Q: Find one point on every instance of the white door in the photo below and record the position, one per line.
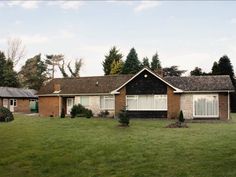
(12, 104)
(5, 103)
(69, 104)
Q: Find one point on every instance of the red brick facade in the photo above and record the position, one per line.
(173, 102)
(120, 100)
(223, 106)
(49, 106)
(22, 105)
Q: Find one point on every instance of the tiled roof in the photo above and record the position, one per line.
(10, 92)
(106, 84)
(83, 85)
(202, 83)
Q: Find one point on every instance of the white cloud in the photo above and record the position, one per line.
(24, 4)
(66, 5)
(2, 4)
(33, 39)
(145, 5)
(65, 34)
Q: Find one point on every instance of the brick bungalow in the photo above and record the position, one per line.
(18, 99)
(145, 95)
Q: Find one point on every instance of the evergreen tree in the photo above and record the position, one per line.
(155, 64)
(173, 71)
(53, 60)
(33, 73)
(215, 69)
(2, 64)
(196, 72)
(132, 64)
(145, 62)
(9, 75)
(116, 67)
(225, 67)
(113, 55)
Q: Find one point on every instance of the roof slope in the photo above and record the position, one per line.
(106, 84)
(83, 85)
(10, 92)
(202, 83)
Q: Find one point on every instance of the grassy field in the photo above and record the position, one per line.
(32, 147)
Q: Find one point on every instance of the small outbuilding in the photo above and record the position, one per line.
(19, 99)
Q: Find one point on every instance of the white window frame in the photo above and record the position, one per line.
(81, 97)
(154, 103)
(14, 102)
(206, 116)
(107, 97)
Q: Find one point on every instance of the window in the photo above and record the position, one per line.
(84, 100)
(146, 102)
(13, 102)
(107, 102)
(205, 106)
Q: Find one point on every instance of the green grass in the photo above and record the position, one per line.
(32, 147)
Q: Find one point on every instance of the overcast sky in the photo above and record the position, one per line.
(186, 34)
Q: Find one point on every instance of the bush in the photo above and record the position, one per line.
(181, 117)
(104, 113)
(5, 115)
(123, 118)
(80, 111)
(63, 113)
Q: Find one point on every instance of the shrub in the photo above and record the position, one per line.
(181, 117)
(63, 113)
(123, 118)
(88, 113)
(80, 111)
(104, 113)
(5, 115)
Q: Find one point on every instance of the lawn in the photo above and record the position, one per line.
(53, 147)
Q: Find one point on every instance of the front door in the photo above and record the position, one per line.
(69, 104)
(5, 103)
(12, 104)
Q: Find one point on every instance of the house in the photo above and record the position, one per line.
(145, 95)
(18, 99)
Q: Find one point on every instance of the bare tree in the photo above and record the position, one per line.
(15, 50)
(54, 60)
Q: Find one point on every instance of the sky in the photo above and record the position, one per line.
(185, 33)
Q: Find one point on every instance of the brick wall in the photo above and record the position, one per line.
(1, 102)
(173, 101)
(223, 104)
(22, 105)
(49, 106)
(120, 101)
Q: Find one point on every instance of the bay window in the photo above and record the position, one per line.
(205, 106)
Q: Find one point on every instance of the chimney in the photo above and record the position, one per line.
(159, 72)
(57, 87)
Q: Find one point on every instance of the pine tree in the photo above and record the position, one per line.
(132, 64)
(78, 65)
(116, 67)
(9, 75)
(155, 64)
(113, 55)
(215, 69)
(145, 62)
(2, 64)
(33, 73)
(225, 67)
(196, 72)
(53, 60)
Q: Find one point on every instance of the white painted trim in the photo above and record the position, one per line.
(116, 90)
(207, 116)
(213, 91)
